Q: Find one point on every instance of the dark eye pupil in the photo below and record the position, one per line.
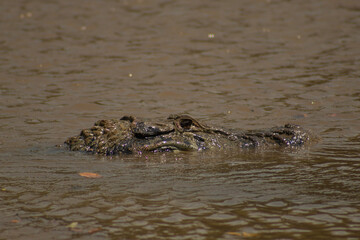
(186, 123)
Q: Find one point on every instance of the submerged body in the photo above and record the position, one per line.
(178, 132)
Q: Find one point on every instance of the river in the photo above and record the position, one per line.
(242, 64)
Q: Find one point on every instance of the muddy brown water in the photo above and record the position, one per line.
(240, 64)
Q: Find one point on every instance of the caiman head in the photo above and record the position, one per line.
(129, 135)
(177, 133)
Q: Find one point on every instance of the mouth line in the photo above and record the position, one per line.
(168, 146)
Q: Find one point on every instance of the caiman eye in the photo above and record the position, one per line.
(186, 123)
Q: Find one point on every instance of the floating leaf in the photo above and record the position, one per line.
(242, 234)
(94, 230)
(90, 175)
(245, 234)
(235, 233)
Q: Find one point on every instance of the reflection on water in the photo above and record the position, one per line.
(238, 64)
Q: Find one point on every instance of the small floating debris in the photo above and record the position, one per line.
(26, 15)
(90, 175)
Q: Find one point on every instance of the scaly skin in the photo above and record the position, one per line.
(178, 132)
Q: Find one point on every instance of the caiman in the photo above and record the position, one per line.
(178, 133)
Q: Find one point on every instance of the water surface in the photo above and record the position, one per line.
(238, 64)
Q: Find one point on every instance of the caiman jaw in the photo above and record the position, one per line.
(168, 146)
